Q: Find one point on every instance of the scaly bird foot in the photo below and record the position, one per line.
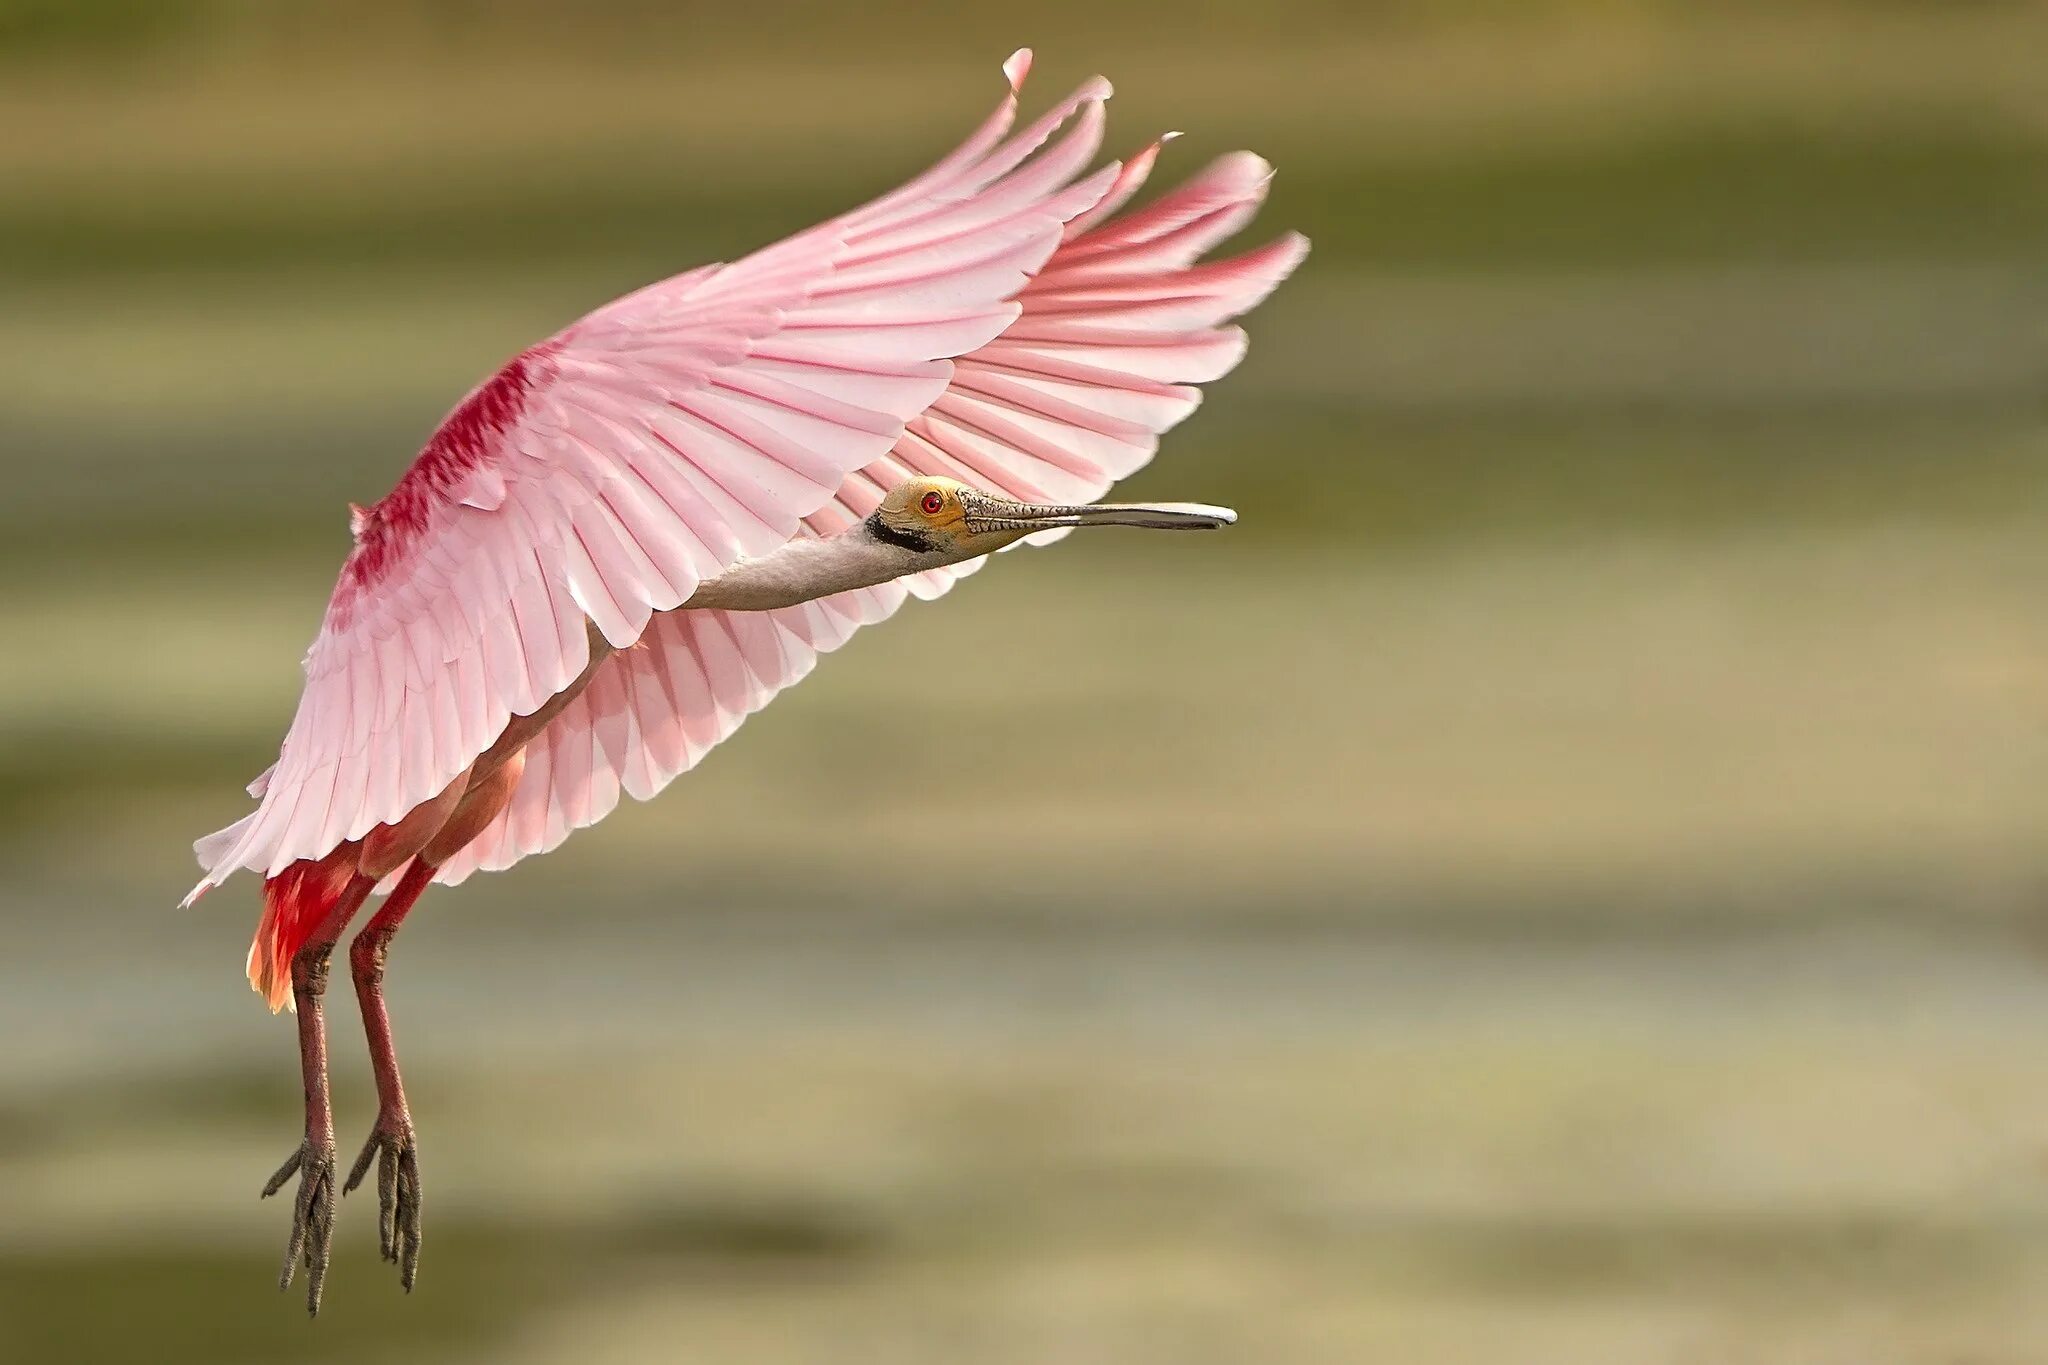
(398, 1193)
(312, 1217)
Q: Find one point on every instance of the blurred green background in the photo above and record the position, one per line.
(1562, 881)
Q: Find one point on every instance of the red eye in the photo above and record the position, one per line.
(931, 503)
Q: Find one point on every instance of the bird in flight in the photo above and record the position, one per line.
(637, 532)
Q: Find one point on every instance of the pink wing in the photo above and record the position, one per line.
(1067, 400)
(607, 471)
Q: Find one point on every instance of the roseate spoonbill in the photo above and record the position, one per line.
(638, 531)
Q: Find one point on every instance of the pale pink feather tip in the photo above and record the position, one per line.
(1016, 67)
(1130, 178)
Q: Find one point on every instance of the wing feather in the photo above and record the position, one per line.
(738, 397)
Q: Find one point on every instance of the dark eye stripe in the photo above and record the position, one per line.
(903, 539)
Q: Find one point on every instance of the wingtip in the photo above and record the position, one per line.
(1249, 167)
(1016, 67)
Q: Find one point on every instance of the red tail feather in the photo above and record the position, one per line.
(295, 901)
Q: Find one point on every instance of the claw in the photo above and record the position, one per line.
(398, 1195)
(312, 1219)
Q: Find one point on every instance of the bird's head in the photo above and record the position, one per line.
(939, 516)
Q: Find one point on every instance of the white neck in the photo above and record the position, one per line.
(801, 571)
(806, 569)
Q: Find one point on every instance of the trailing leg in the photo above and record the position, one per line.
(392, 1143)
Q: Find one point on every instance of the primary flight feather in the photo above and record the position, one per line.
(638, 531)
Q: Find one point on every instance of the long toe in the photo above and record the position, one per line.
(408, 1216)
(312, 1218)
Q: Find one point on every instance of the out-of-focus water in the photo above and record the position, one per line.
(1560, 881)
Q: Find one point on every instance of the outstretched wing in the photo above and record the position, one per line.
(607, 471)
(1067, 400)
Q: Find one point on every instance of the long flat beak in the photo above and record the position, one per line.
(985, 513)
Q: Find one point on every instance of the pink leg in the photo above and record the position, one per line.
(391, 1139)
(313, 1210)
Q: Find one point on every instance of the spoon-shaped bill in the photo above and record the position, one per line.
(1000, 514)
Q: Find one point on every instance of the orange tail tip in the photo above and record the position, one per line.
(294, 903)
